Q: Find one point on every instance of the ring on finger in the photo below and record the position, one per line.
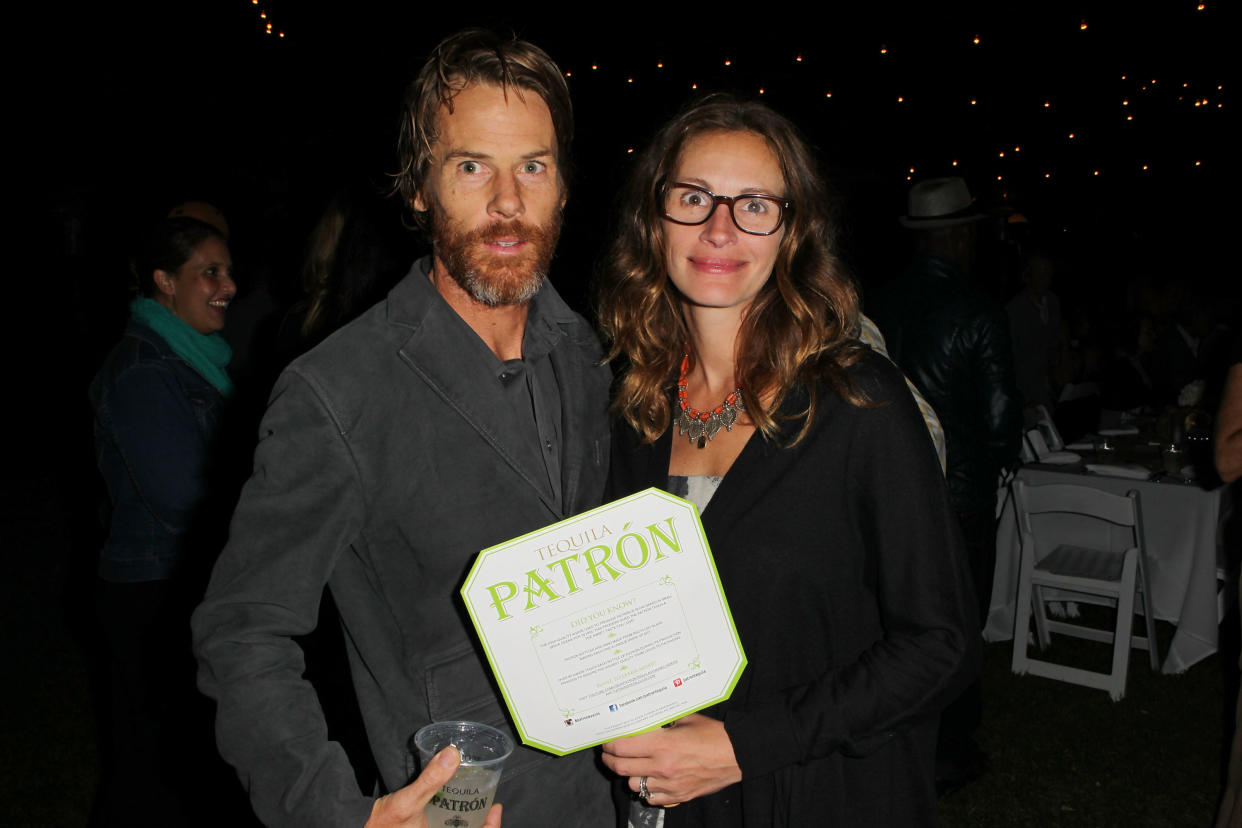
(642, 788)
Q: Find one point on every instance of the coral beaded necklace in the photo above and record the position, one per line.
(702, 426)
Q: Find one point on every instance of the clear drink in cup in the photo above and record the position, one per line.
(464, 800)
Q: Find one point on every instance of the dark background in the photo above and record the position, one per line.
(121, 110)
(140, 106)
(130, 108)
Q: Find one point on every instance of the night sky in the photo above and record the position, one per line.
(140, 106)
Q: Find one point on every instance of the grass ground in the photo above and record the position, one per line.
(1068, 755)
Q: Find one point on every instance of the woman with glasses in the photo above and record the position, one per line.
(744, 389)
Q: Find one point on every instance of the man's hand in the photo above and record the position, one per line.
(404, 808)
(692, 758)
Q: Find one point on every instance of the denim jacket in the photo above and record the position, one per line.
(155, 418)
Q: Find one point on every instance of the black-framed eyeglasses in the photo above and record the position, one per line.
(754, 213)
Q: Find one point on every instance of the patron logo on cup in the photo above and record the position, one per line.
(464, 799)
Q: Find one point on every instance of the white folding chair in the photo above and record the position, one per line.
(1036, 444)
(1027, 453)
(1109, 573)
(1048, 428)
(1035, 449)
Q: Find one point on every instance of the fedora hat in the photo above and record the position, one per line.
(939, 202)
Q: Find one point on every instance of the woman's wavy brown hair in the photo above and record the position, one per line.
(799, 329)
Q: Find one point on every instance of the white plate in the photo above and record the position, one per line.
(1130, 470)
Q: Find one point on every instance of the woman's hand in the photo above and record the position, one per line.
(404, 808)
(689, 759)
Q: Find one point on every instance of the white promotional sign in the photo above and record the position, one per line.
(607, 624)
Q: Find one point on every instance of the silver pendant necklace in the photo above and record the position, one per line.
(702, 426)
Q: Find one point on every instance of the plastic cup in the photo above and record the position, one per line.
(464, 800)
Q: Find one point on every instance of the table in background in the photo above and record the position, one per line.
(1180, 526)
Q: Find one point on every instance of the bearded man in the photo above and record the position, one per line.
(466, 409)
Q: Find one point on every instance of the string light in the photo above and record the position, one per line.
(267, 27)
(1198, 101)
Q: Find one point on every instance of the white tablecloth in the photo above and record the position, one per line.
(1180, 525)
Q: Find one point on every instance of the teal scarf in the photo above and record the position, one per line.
(208, 355)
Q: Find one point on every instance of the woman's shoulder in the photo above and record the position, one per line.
(138, 348)
(879, 389)
(141, 364)
(875, 374)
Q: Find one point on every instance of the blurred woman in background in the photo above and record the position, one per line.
(157, 401)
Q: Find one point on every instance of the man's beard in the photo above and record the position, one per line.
(491, 279)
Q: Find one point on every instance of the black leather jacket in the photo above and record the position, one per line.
(954, 345)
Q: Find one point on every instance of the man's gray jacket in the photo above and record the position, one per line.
(384, 464)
